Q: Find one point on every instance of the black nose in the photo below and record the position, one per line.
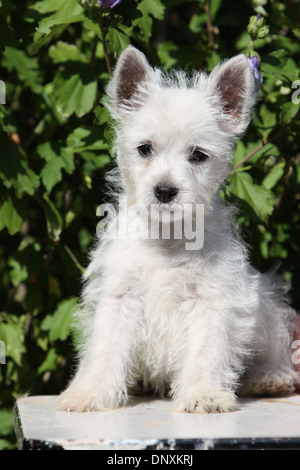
(165, 193)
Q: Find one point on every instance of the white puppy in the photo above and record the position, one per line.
(200, 324)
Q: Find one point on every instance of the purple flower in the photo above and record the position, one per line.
(254, 66)
(109, 3)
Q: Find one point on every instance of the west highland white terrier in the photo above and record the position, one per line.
(196, 322)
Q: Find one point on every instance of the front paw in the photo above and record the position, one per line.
(79, 399)
(219, 401)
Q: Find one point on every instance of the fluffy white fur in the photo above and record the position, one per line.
(202, 326)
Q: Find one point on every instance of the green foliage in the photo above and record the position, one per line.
(55, 147)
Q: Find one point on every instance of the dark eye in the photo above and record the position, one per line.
(197, 156)
(145, 150)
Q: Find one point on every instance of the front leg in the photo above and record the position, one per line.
(101, 379)
(208, 375)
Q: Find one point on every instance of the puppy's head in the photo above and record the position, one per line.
(176, 134)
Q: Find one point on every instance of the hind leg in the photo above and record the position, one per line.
(272, 370)
(269, 380)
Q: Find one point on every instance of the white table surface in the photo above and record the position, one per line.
(148, 423)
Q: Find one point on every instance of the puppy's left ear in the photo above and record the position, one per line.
(232, 85)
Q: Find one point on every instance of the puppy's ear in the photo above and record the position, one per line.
(131, 78)
(233, 86)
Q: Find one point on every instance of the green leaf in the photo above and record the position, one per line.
(100, 160)
(215, 6)
(274, 175)
(277, 57)
(86, 138)
(59, 323)
(259, 198)
(245, 148)
(288, 111)
(11, 333)
(101, 115)
(46, 25)
(51, 174)
(242, 149)
(6, 421)
(14, 170)
(18, 273)
(29, 182)
(50, 363)
(54, 16)
(55, 9)
(277, 64)
(165, 51)
(67, 156)
(149, 9)
(26, 260)
(62, 52)
(55, 31)
(265, 121)
(90, 25)
(55, 153)
(118, 41)
(264, 244)
(26, 68)
(10, 218)
(53, 219)
(75, 91)
(197, 22)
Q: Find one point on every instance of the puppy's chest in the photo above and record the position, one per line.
(168, 294)
(168, 290)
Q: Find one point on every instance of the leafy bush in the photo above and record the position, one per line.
(55, 143)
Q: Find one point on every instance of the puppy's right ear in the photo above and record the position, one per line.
(233, 84)
(131, 80)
